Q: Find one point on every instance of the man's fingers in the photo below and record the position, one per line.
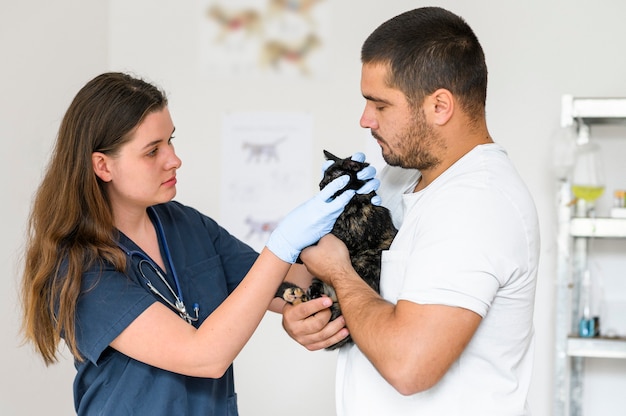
(307, 309)
(332, 333)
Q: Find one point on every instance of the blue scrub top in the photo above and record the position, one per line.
(210, 263)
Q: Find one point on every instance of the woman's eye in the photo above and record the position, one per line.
(153, 152)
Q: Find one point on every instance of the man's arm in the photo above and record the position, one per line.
(411, 345)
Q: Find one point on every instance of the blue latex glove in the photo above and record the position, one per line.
(309, 222)
(365, 174)
(369, 186)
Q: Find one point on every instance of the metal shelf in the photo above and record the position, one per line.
(596, 347)
(592, 110)
(598, 227)
(573, 236)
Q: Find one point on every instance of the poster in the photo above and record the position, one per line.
(263, 38)
(266, 170)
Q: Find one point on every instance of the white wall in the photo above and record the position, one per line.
(536, 51)
(48, 50)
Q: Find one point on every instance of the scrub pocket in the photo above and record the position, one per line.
(392, 271)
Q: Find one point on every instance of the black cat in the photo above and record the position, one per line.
(365, 228)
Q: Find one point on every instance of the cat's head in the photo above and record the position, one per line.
(342, 167)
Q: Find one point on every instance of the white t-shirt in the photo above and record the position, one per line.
(470, 239)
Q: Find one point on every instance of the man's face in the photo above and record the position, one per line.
(402, 131)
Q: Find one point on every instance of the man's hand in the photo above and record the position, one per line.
(308, 324)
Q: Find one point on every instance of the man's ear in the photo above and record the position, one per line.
(100, 165)
(441, 104)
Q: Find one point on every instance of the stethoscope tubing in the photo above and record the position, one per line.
(178, 305)
(152, 287)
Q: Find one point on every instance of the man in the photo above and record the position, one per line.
(452, 331)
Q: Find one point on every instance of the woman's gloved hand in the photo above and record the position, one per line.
(315, 218)
(309, 222)
(368, 174)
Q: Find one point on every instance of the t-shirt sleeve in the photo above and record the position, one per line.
(109, 302)
(462, 260)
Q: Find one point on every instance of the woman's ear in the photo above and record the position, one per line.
(442, 103)
(100, 167)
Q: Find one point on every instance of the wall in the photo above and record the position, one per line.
(536, 51)
(48, 50)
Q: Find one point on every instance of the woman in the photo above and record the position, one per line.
(113, 264)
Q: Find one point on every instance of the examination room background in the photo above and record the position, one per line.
(537, 50)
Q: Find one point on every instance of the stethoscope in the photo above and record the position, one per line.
(177, 305)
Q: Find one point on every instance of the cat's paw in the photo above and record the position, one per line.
(292, 294)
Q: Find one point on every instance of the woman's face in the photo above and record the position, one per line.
(143, 173)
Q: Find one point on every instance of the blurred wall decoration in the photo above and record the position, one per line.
(244, 38)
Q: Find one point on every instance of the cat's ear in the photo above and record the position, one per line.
(330, 156)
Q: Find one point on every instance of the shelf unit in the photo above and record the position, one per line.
(572, 239)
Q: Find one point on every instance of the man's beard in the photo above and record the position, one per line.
(414, 146)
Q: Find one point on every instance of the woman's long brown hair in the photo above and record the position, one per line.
(71, 226)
